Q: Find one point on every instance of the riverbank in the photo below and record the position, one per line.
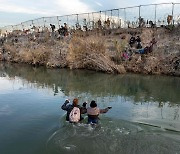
(99, 51)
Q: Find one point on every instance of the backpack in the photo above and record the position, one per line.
(74, 115)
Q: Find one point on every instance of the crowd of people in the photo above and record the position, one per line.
(135, 46)
(75, 111)
(62, 30)
(109, 23)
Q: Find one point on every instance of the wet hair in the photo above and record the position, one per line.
(75, 102)
(93, 104)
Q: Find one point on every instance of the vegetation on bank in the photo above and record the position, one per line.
(96, 51)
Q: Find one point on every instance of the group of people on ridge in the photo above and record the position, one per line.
(135, 46)
(62, 31)
(74, 111)
(137, 43)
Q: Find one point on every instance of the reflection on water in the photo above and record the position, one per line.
(145, 115)
(140, 88)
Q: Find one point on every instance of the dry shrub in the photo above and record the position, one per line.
(26, 56)
(79, 48)
(10, 52)
(120, 48)
(58, 58)
(151, 65)
(79, 33)
(1, 56)
(9, 48)
(37, 56)
(90, 53)
(40, 55)
(58, 55)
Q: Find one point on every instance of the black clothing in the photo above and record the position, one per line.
(132, 41)
(52, 27)
(69, 108)
(138, 39)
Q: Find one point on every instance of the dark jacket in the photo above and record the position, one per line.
(68, 107)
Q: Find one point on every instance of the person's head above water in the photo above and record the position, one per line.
(93, 104)
(75, 102)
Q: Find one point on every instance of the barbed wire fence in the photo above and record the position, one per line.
(129, 17)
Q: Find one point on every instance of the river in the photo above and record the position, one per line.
(144, 119)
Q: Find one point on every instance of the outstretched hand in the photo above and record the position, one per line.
(110, 107)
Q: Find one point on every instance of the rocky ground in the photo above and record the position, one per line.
(98, 50)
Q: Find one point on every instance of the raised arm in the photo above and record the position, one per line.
(65, 106)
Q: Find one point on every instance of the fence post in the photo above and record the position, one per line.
(111, 25)
(22, 26)
(124, 16)
(139, 15)
(111, 14)
(49, 21)
(88, 23)
(33, 23)
(93, 21)
(155, 14)
(173, 13)
(118, 20)
(77, 19)
(44, 21)
(67, 20)
(58, 21)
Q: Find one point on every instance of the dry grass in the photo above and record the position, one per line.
(90, 53)
(36, 55)
(40, 56)
(100, 53)
(79, 53)
(81, 47)
(120, 47)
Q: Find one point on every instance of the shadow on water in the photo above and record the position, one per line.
(111, 136)
(138, 87)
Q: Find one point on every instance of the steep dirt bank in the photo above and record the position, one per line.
(99, 52)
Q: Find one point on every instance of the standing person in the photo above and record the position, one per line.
(65, 29)
(99, 23)
(52, 27)
(132, 41)
(108, 22)
(138, 40)
(93, 112)
(74, 110)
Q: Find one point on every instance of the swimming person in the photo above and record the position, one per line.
(93, 112)
(74, 110)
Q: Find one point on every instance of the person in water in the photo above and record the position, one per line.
(69, 107)
(93, 112)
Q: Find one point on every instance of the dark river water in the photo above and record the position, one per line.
(144, 119)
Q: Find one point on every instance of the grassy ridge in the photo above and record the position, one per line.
(99, 52)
